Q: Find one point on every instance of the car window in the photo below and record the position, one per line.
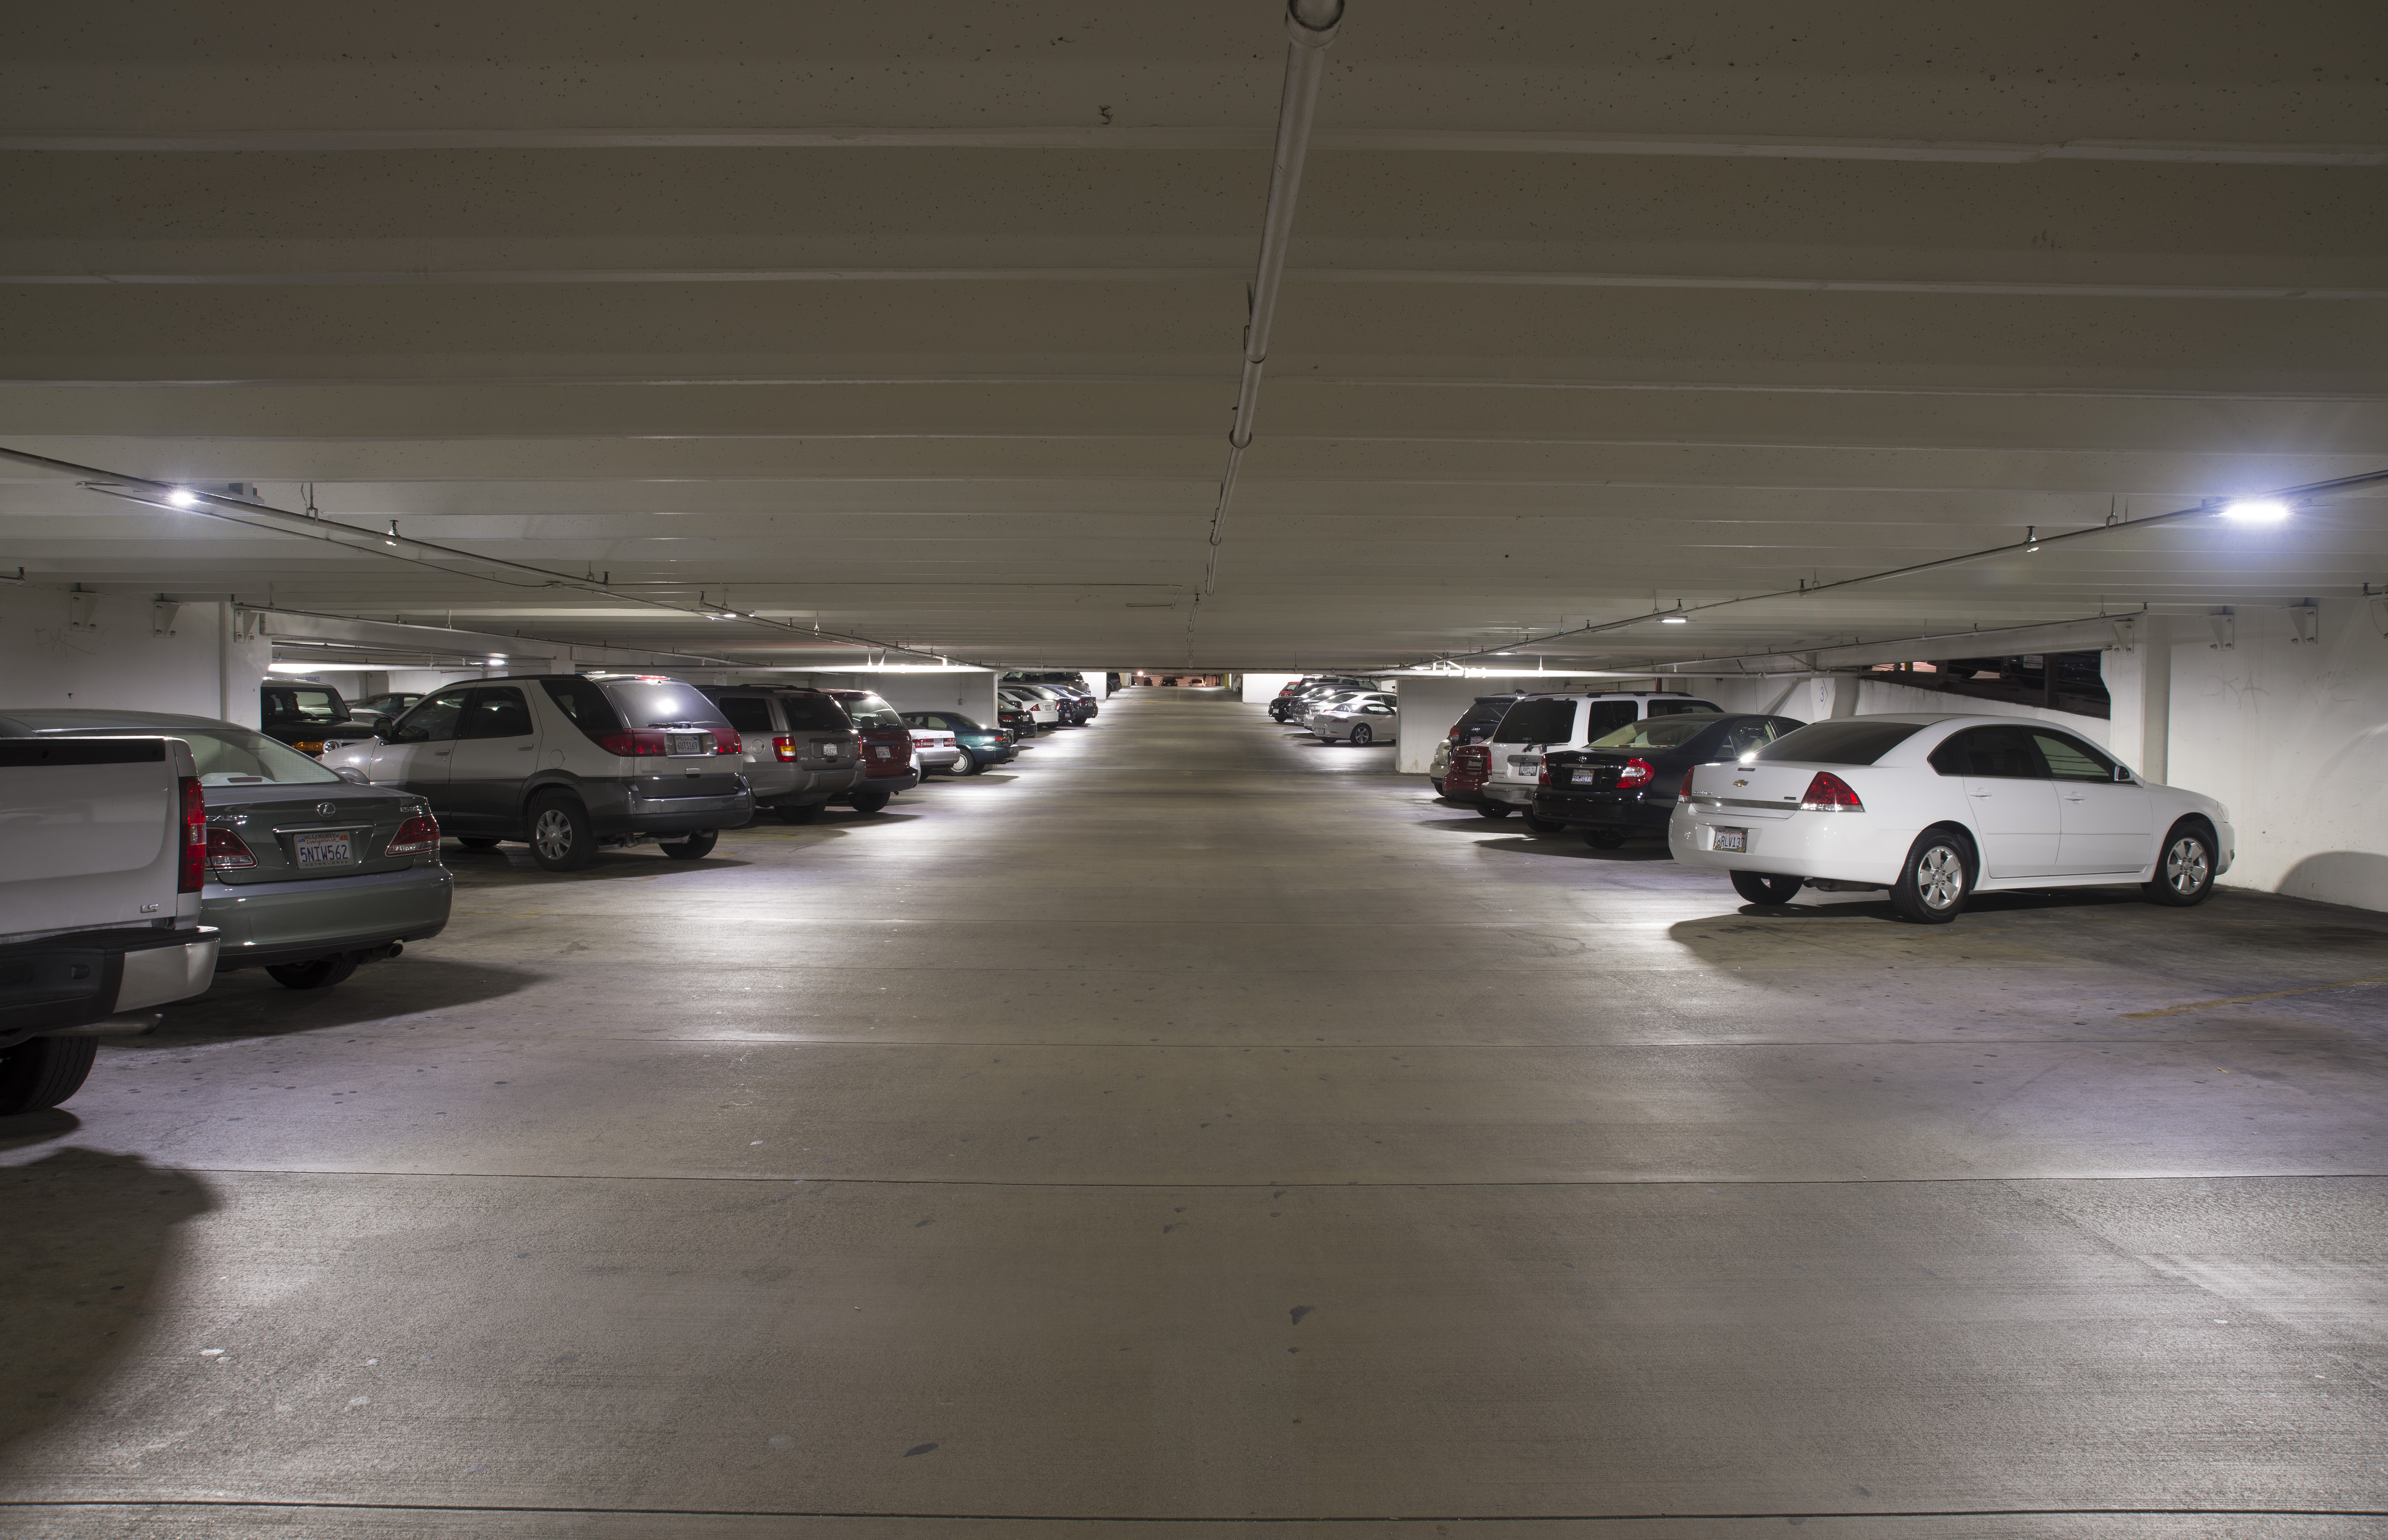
(960, 723)
(1378, 708)
(303, 705)
(1677, 708)
(1537, 722)
(496, 710)
(1656, 732)
(235, 757)
(1839, 742)
(1748, 738)
(869, 711)
(583, 704)
(1609, 716)
(661, 704)
(2002, 753)
(813, 714)
(434, 721)
(748, 713)
(2069, 759)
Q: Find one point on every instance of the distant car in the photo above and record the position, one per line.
(306, 716)
(889, 763)
(1043, 710)
(1626, 782)
(1511, 760)
(1931, 808)
(1069, 711)
(309, 873)
(389, 704)
(801, 750)
(934, 747)
(1361, 720)
(1076, 699)
(976, 745)
(567, 762)
(1311, 705)
(1015, 721)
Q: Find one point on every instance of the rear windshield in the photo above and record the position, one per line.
(1537, 722)
(661, 704)
(869, 711)
(1839, 742)
(1678, 708)
(303, 706)
(582, 703)
(1658, 732)
(747, 712)
(813, 714)
(236, 756)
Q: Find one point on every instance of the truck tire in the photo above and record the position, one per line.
(321, 974)
(561, 839)
(39, 1073)
(1494, 810)
(696, 846)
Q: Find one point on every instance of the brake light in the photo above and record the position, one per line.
(784, 746)
(726, 741)
(417, 836)
(1544, 779)
(636, 743)
(1637, 771)
(194, 872)
(227, 852)
(1829, 793)
(1685, 790)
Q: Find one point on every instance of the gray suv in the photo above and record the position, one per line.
(569, 763)
(802, 750)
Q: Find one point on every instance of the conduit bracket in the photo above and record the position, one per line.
(2306, 619)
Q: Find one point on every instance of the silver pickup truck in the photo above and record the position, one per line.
(103, 850)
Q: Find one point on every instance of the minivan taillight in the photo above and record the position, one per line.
(1637, 771)
(1829, 793)
(784, 747)
(194, 872)
(227, 852)
(635, 743)
(417, 836)
(726, 741)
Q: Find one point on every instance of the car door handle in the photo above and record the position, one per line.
(1980, 793)
(441, 754)
(528, 749)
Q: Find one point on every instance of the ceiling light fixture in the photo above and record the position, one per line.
(1674, 619)
(2257, 511)
(183, 496)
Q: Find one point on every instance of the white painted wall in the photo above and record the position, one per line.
(971, 693)
(1260, 688)
(201, 669)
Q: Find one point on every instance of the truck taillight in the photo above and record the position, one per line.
(726, 741)
(784, 747)
(194, 872)
(417, 836)
(227, 852)
(1829, 793)
(1637, 771)
(636, 743)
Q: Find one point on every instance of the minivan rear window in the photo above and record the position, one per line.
(869, 711)
(661, 704)
(1537, 722)
(1839, 742)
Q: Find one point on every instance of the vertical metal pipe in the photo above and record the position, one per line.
(1310, 25)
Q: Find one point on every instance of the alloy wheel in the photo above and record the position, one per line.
(2185, 866)
(553, 834)
(1941, 877)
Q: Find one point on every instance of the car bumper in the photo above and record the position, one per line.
(127, 969)
(1836, 847)
(1617, 810)
(679, 815)
(940, 758)
(1515, 793)
(903, 780)
(991, 754)
(295, 922)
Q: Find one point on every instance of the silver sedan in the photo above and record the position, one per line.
(1362, 720)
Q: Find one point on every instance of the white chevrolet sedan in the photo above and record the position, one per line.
(1938, 808)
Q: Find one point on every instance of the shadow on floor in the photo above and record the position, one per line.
(91, 1235)
(247, 1003)
(1570, 847)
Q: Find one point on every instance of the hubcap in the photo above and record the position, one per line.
(1939, 877)
(554, 835)
(2185, 866)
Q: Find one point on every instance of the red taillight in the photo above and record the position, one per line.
(417, 836)
(227, 852)
(1458, 730)
(1685, 790)
(1637, 771)
(1544, 779)
(194, 872)
(726, 741)
(784, 746)
(637, 743)
(1829, 793)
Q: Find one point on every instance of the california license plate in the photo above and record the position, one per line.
(325, 850)
(1731, 840)
(689, 743)
(1584, 778)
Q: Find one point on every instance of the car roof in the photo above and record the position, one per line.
(53, 719)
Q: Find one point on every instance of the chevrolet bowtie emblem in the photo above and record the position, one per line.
(1741, 783)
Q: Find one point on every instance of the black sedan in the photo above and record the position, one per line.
(1626, 782)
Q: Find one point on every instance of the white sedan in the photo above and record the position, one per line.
(1938, 808)
(1362, 719)
(1043, 708)
(934, 749)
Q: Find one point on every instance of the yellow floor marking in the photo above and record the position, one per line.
(2251, 999)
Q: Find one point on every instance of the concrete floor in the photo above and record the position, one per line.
(1197, 1123)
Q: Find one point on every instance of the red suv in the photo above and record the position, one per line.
(888, 762)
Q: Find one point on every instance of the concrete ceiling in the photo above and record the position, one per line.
(924, 322)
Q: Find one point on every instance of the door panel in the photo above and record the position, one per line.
(425, 738)
(2103, 824)
(2009, 796)
(497, 745)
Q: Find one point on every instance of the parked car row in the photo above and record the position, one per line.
(1926, 809)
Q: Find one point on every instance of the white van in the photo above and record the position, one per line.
(1535, 724)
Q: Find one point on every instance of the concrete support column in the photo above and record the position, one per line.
(1844, 688)
(2139, 688)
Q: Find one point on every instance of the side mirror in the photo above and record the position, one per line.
(351, 775)
(2122, 776)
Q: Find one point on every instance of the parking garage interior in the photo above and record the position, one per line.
(1193, 1124)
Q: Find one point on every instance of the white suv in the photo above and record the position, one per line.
(1535, 724)
(566, 761)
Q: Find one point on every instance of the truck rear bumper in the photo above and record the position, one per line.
(62, 982)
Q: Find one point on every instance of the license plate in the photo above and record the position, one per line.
(1731, 840)
(1584, 778)
(689, 743)
(324, 849)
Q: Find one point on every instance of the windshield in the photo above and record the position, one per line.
(1537, 722)
(236, 756)
(1658, 732)
(662, 703)
(1839, 742)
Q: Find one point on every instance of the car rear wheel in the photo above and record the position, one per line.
(1936, 880)
(1611, 838)
(39, 1073)
(2185, 876)
(561, 839)
(1436, 784)
(803, 814)
(321, 974)
(968, 765)
(476, 842)
(696, 846)
(1361, 734)
(1760, 887)
(871, 802)
(1543, 826)
(1494, 810)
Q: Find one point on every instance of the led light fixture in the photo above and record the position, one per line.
(1674, 619)
(2255, 511)
(183, 496)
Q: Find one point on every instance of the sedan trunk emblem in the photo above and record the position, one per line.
(327, 809)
